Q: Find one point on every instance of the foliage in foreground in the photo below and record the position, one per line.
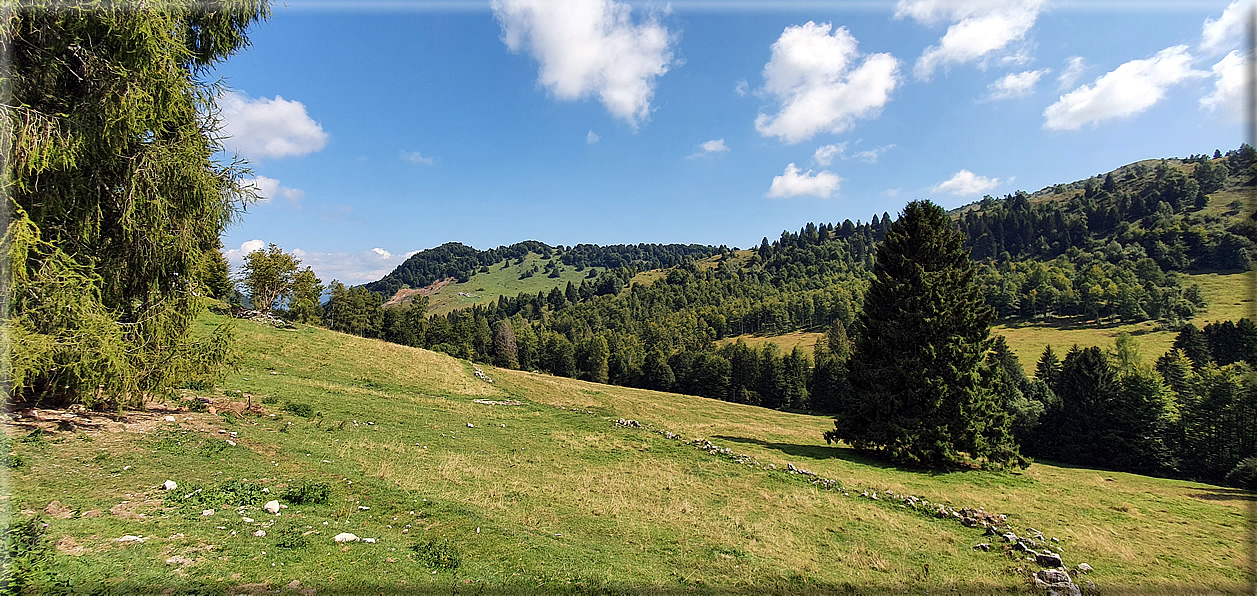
(118, 202)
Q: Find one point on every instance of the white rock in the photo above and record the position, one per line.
(207, 513)
(169, 419)
(470, 425)
(345, 537)
(231, 442)
(260, 533)
(247, 520)
(271, 507)
(369, 540)
(129, 538)
(169, 485)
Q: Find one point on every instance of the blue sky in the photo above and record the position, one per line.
(376, 129)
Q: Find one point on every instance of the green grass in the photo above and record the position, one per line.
(804, 340)
(485, 288)
(551, 496)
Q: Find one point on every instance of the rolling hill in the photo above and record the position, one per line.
(538, 487)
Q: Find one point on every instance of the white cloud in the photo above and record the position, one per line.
(592, 137)
(794, 184)
(978, 29)
(741, 87)
(351, 268)
(235, 256)
(710, 147)
(416, 157)
(966, 183)
(813, 76)
(825, 154)
(270, 188)
(1017, 84)
(1230, 80)
(1225, 32)
(871, 155)
(1074, 67)
(590, 47)
(260, 128)
(892, 192)
(1127, 90)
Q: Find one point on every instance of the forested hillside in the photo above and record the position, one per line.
(1103, 250)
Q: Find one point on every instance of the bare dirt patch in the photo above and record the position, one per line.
(69, 546)
(404, 295)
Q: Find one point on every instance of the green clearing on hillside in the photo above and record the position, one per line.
(549, 495)
(485, 288)
(1228, 297)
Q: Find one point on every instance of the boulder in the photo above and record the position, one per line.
(1010, 537)
(1053, 576)
(345, 537)
(169, 485)
(983, 547)
(130, 538)
(272, 507)
(1047, 559)
(169, 419)
(1084, 568)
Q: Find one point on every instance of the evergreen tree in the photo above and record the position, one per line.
(1194, 345)
(307, 290)
(114, 193)
(656, 372)
(505, 350)
(920, 391)
(1048, 368)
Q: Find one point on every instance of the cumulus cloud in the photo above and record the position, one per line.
(270, 188)
(977, 29)
(966, 183)
(1125, 91)
(1017, 84)
(416, 157)
(261, 128)
(825, 154)
(235, 256)
(1230, 80)
(590, 47)
(710, 147)
(351, 268)
(814, 77)
(592, 137)
(1074, 67)
(793, 183)
(1225, 32)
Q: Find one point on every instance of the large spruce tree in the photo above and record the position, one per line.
(920, 385)
(110, 132)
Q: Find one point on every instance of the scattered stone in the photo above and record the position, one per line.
(1084, 568)
(179, 560)
(982, 547)
(1010, 537)
(470, 425)
(628, 423)
(345, 537)
(247, 520)
(207, 513)
(169, 419)
(231, 442)
(369, 540)
(1053, 576)
(59, 511)
(1048, 559)
(92, 513)
(489, 402)
(260, 533)
(130, 538)
(169, 485)
(271, 507)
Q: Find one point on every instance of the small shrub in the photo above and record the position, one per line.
(199, 385)
(438, 554)
(198, 406)
(213, 447)
(303, 410)
(232, 493)
(8, 458)
(291, 537)
(28, 555)
(308, 492)
(36, 437)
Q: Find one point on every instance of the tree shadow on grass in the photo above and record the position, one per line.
(1218, 493)
(820, 452)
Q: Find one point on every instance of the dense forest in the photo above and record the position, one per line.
(1110, 247)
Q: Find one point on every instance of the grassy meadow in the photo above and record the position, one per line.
(543, 492)
(503, 280)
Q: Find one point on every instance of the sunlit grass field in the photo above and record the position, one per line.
(550, 495)
(503, 280)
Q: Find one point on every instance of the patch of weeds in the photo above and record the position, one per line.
(172, 445)
(728, 552)
(308, 492)
(291, 537)
(270, 400)
(213, 447)
(441, 554)
(301, 409)
(228, 418)
(198, 406)
(86, 438)
(36, 437)
(8, 458)
(233, 493)
(199, 385)
(28, 555)
(342, 512)
(338, 426)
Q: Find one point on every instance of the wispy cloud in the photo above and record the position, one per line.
(1017, 84)
(592, 137)
(709, 147)
(1125, 91)
(416, 157)
(270, 188)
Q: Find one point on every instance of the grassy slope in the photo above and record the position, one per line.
(563, 500)
(487, 287)
(1228, 297)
